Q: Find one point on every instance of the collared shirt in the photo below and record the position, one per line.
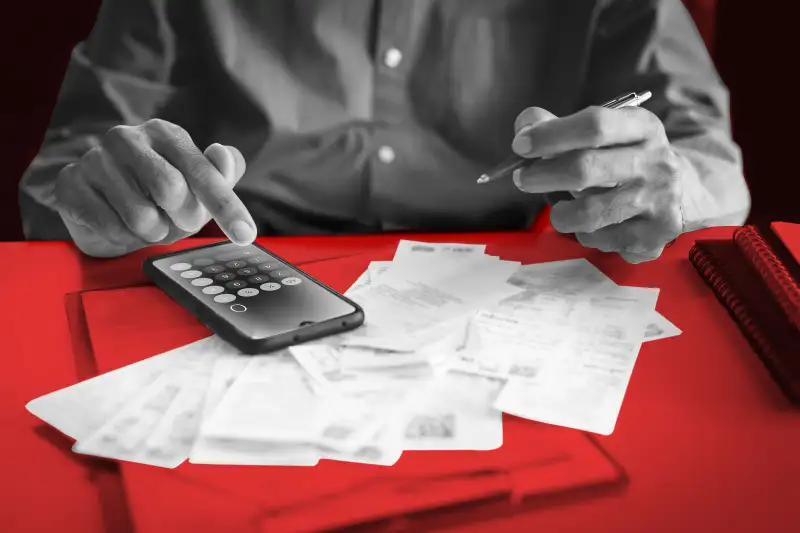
(377, 115)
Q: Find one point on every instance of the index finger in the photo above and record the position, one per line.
(593, 127)
(208, 185)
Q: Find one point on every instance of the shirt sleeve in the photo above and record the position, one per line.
(131, 68)
(653, 45)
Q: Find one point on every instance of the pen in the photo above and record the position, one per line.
(516, 162)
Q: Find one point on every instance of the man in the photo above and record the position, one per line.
(379, 115)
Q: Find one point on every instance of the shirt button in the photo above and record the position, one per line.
(386, 154)
(392, 57)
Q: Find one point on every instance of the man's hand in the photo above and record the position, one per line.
(624, 179)
(150, 184)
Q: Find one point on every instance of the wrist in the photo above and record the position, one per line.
(701, 207)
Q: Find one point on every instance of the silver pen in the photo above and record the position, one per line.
(516, 162)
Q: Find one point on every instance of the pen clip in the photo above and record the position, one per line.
(620, 100)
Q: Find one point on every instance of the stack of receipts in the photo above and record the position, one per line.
(452, 339)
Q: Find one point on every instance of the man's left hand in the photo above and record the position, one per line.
(624, 178)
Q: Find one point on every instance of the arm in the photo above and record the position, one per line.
(128, 71)
(654, 45)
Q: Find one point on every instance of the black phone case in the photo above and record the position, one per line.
(228, 331)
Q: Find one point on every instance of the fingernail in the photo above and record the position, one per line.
(517, 178)
(521, 145)
(242, 232)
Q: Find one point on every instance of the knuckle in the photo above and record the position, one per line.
(642, 199)
(582, 165)
(92, 156)
(118, 136)
(121, 131)
(594, 208)
(640, 165)
(157, 124)
(162, 129)
(655, 125)
(79, 211)
(200, 170)
(659, 130)
(668, 169)
(668, 163)
(222, 203)
(597, 124)
(141, 219)
(64, 185)
(166, 189)
(165, 183)
(84, 216)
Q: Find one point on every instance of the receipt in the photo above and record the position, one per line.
(402, 312)
(456, 414)
(583, 387)
(576, 277)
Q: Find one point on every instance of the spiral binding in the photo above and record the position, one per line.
(772, 270)
(714, 276)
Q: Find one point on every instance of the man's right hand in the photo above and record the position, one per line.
(150, 184)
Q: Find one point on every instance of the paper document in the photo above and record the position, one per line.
(453, 338)
(583, 387)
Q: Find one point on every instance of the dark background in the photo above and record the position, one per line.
(754, 45)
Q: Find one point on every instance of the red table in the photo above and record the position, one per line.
(708, 441)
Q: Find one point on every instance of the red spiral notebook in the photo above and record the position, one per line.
(756, 276)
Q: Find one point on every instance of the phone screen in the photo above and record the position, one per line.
(257, 292)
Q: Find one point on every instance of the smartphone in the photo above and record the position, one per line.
(252, 298)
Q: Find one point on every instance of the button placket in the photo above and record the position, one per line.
(399, 24)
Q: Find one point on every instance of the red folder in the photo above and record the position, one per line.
(423, 489)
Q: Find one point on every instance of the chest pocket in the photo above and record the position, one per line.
(484, 62)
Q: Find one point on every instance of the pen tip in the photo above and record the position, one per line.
(483, 179)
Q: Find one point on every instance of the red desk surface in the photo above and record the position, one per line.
(705, 436)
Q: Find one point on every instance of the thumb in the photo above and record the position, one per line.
(228, 160)
(531, 117)
(527, 120)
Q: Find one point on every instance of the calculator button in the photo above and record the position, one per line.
(258, 279)
(225, 276)
(271, 286)
(248, 292)
(201, 282)
(247, 271)
(291, 281)
(213, 289)
(238, 308)
(224, 298)
(236, 264)
(213, 269)
(257, 259)
(191, 274)
(269, 267)
(236, 284)
(204, 262)
(179, 267)
(279, 274)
